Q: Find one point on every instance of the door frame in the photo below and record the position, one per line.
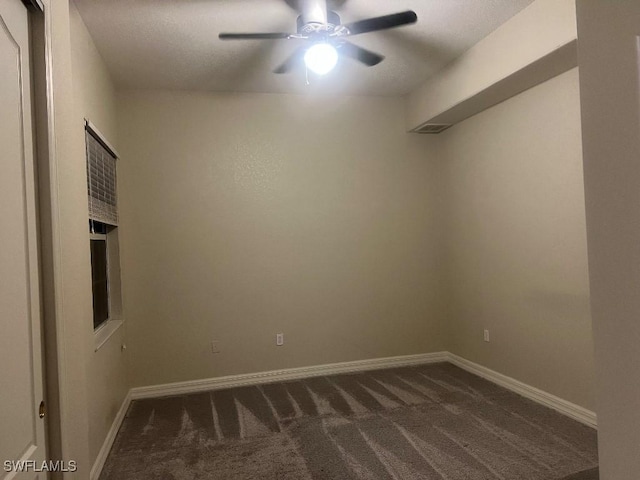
(56, 140)
(41, 88)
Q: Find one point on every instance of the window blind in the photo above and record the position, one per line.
(101, 180)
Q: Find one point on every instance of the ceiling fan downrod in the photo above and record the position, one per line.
(313, 11)
(315, 18)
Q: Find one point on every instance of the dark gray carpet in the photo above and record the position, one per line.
(426, 422)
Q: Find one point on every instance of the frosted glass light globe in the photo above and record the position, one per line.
(321, 58)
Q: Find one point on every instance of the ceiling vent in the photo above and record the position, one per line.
(431, 128)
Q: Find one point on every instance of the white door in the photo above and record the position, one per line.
(21, 429)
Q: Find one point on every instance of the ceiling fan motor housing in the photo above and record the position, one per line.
(308, 24)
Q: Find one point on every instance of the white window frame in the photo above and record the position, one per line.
(112, 323)
(110, 326)
(104, 332)
(103, 237)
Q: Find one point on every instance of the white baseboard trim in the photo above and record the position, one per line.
(179, 388)
(231, 381)
(96, 469)
(284, 375)
(569, 409)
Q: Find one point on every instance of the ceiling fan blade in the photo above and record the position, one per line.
(254, 36)
(382, 23)
(291, 62)
(360, 54)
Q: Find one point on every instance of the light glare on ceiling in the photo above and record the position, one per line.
(321, 58)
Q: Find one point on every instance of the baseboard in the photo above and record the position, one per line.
(563, 406)
(569, 409)
(96, 469)
(284, 375)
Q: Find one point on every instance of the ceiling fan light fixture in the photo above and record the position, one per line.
(321, 58)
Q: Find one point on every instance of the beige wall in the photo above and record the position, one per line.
(535, 32)
(245, 216)
(609, 57)
(248, 215)
(94, 94)
(516, 241)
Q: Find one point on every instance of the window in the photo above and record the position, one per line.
(103, 234)
(99, 276)
(101, 178)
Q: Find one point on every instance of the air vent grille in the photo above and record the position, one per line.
(431, 128)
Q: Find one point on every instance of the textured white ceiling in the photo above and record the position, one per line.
(174, 44)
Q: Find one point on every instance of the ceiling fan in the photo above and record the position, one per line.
(326, 37)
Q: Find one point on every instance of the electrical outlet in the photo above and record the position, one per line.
(279, 339)
(215, 346)
(486, 335)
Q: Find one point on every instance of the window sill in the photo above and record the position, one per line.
(104, 333)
